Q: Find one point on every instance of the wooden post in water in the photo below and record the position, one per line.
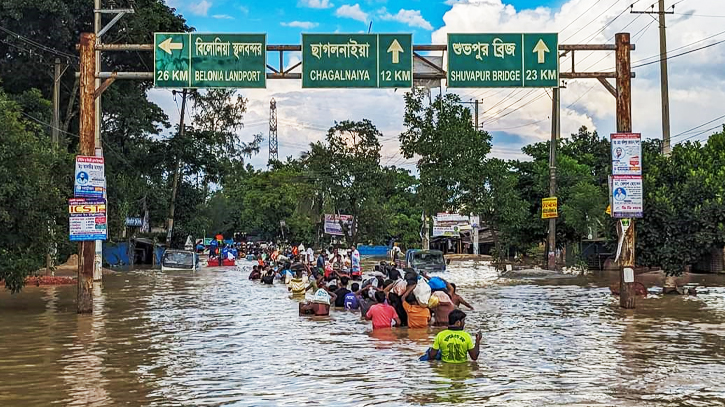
(625, 227)
(87, 250)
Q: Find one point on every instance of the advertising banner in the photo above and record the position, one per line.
(627, 199)
(549, 208)
(90, 179)
(333, 224)
(87, 219)
(626, 154)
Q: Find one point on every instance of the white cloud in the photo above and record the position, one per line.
(223, 17)
(244, 10)
(353, 12)
(315, 3)
(201, 8)
(697, 83)
(305, 25)
(412, 18)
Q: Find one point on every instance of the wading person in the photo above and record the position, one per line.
(455, 344)
(319, 305)
(268, 277)
(382, 314)
(418, 315)
(355, 268)
(457, 299)
(443, 309)
(298, 285)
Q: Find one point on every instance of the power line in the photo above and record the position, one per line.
(700, 15)
(719, 126)
(697, 127)
(39, 121)
(595, 19)
(580, 16)
(679, 55)
(38, 45)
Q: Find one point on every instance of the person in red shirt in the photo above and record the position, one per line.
(382, 314)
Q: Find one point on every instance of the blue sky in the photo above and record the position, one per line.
(515, 117)
(283, 21)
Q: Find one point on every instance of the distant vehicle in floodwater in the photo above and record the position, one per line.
(179, 260)
(430, 261)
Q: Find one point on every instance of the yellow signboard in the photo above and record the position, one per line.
(549, 208)
(609, 210)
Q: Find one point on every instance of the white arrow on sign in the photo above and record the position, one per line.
(396, 49)
(541, 48)
(167, 45)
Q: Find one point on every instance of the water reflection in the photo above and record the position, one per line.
(215, 338)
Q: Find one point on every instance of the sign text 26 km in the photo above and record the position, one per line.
(503, 60)
(357, 60)
(195, 60)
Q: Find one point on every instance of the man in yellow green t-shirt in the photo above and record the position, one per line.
(454, 343)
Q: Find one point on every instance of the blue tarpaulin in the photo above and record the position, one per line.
(373, 251)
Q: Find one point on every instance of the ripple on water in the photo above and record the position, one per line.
(214, 338)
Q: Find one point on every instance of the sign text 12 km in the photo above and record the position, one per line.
(357, 60)
(195, 60)
(503, 60)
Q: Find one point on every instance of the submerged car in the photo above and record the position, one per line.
(430, 261)
(179, 260)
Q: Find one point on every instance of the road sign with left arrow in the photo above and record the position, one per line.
(196, 60)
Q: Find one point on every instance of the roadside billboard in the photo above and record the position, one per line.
(334, 224)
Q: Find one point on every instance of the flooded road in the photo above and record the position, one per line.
(215, 338)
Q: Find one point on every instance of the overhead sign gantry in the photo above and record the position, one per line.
(200, 60)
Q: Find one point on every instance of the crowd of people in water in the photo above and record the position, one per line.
(390, 297)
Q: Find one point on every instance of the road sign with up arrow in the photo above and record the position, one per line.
(503, 60)
(357, 60)
(193, 60)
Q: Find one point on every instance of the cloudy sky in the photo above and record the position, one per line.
(515, 117)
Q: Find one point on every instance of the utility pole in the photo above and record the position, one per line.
(54, 131)
(86, 249)
(664, 83)
(98, 151)
(177, 174)
(625, 227)
(273, 145)
(475, 113)
(56, 103)
(551, 252)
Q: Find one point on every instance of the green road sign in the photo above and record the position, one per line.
(172, 61)
(357, 60)
(395, 60)
(503, 60)
(210, 60)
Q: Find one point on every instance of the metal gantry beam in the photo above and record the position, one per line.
(279, 72)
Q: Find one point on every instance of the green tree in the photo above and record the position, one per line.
(684, 214)
(452, 153)
(35, 180)
(346, 169)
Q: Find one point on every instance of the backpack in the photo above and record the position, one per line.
(351, 301)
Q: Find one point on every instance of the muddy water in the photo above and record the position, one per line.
(215, 338)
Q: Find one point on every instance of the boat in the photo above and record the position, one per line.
(214, 262)
(179, 260)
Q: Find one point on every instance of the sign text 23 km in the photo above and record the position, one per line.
(503, 60)
(357, 60)
(191, 60)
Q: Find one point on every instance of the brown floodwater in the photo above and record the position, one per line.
(214, 338)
